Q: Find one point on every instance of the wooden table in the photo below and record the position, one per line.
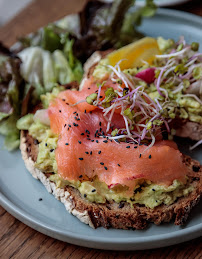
(16, 239)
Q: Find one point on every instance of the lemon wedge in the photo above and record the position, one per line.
(135, 53)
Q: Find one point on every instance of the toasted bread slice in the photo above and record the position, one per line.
(112, 214)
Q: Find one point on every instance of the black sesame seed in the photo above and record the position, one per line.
(153, 190)
(82, 134)
(97, 141)
(101, 96)
(128, 147)
(80, 176)
(121, 205)
(100, 123)
(101, 163)
(135, 146)
(46, 144)
(195, 168)
(92, 140)
(87, 131)
(40, 199)
(99, 152)
(87, 153)
(87, 136)
(63, 100)
(36, 142)
(69, 125)
(81, 158)
(105, 141)
(65, 125)
(105, 168)
(118, 164)
(88, 139)
(66, 144)
(149, 156)
(85, 111)
(74, 112)
(91, 152)
(59, 110)
(79, 141)
(88, 88)
(90, 112)
(52, 150)
(140, 155)
(94, 190)
(85, 195)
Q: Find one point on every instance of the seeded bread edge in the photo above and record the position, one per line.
(114, 215)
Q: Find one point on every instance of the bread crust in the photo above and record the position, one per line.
(112, 214)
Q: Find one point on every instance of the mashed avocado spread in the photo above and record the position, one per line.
(181, 104)
(146, 193)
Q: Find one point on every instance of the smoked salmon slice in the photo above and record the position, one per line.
(84, 150)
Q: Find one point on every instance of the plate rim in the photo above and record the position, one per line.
(165, 3)
(95, 241)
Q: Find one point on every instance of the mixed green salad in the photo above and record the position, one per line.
(54, 55)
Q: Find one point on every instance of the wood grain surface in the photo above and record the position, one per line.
(16, 239)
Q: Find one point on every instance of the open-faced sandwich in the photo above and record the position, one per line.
(104, 146)
(106, 151)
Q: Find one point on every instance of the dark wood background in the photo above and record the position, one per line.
(16, 239)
